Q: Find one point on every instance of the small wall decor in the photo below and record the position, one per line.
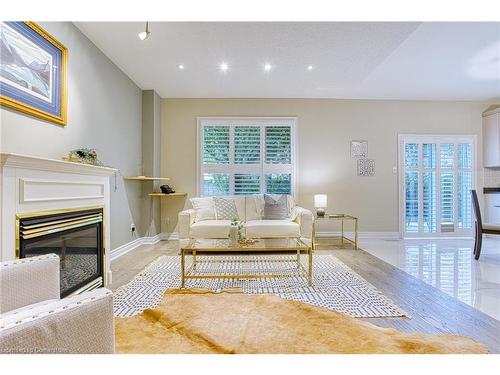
(33, 71)
(359, 149)
(366, 167)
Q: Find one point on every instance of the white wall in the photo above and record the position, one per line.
(325, 129)
(104, 112)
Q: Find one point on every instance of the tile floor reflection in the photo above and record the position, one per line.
(448, 264)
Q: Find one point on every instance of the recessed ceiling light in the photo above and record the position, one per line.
(268, 67)
(224, 67)
(310, 67)
(144, 34)
(180, 66)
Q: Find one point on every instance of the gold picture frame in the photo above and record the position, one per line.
(59, 114)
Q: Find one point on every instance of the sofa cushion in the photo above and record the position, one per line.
(254, 206)
(225, 209)
(204, 208)
(239, 200)
(276, 208)
(210, 229)
(271, 228)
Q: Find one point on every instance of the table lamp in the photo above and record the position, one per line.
(320, 204)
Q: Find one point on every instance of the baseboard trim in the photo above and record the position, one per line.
(129, 246)
(362, 235)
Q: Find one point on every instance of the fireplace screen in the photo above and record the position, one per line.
(75, 236)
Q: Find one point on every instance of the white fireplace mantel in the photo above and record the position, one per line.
(33, 184)
(53, 165)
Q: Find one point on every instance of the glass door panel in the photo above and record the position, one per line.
(438, 177)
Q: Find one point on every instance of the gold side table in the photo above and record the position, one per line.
(342, 219)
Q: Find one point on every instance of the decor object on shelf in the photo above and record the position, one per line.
(320, 203)
(359, 149)
(33, 74)
(366, 167)
(85, 156)
(165, 189)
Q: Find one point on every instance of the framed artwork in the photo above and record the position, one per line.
(366, 167)
(359, 149)
(33, 71)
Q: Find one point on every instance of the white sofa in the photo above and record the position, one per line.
(34, 320)
(250, 210)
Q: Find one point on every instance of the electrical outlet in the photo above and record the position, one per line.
(132, 227)
(395, 170)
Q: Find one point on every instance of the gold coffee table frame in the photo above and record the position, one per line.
(263, 245)
(342, 219)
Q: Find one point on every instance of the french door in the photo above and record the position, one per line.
(435, 183)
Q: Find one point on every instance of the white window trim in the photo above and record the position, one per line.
(435, 138)
(232, 121)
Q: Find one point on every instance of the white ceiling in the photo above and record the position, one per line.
(362, 60)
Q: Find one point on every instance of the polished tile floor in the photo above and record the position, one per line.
(448, 265)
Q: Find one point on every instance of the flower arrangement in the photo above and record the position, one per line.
(242, 240)
(239, 226)
(83, 155)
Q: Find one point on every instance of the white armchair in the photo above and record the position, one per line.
(33, 319)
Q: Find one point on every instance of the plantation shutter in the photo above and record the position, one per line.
(247, 145)
(278, 145)
(438, 178)
(216, 145)
(246, 156)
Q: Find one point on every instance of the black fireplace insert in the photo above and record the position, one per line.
(76, 236)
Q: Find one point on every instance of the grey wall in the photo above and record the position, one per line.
(151, 142)
(104, 112)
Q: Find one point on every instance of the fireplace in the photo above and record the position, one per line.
(75, 235)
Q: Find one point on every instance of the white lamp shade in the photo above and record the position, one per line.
(320, 201)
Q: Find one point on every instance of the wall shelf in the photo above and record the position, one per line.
(144, 178)
(166, 195)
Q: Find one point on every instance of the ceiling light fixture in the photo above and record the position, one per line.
(224, 67)
(310, 67)
(144, 34)
(180, 66)
(268, 67)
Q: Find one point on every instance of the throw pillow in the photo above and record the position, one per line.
(204, 208)
(225, 209)
(276, 208)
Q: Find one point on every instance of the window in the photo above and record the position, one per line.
(246, 156)
(435, 184)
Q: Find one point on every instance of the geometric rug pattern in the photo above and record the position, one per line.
(335, 285)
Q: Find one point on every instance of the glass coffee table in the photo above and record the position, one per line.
(293, 246)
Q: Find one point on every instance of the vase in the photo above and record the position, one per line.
(233, 235)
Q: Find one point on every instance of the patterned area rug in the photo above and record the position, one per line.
(335, 285)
